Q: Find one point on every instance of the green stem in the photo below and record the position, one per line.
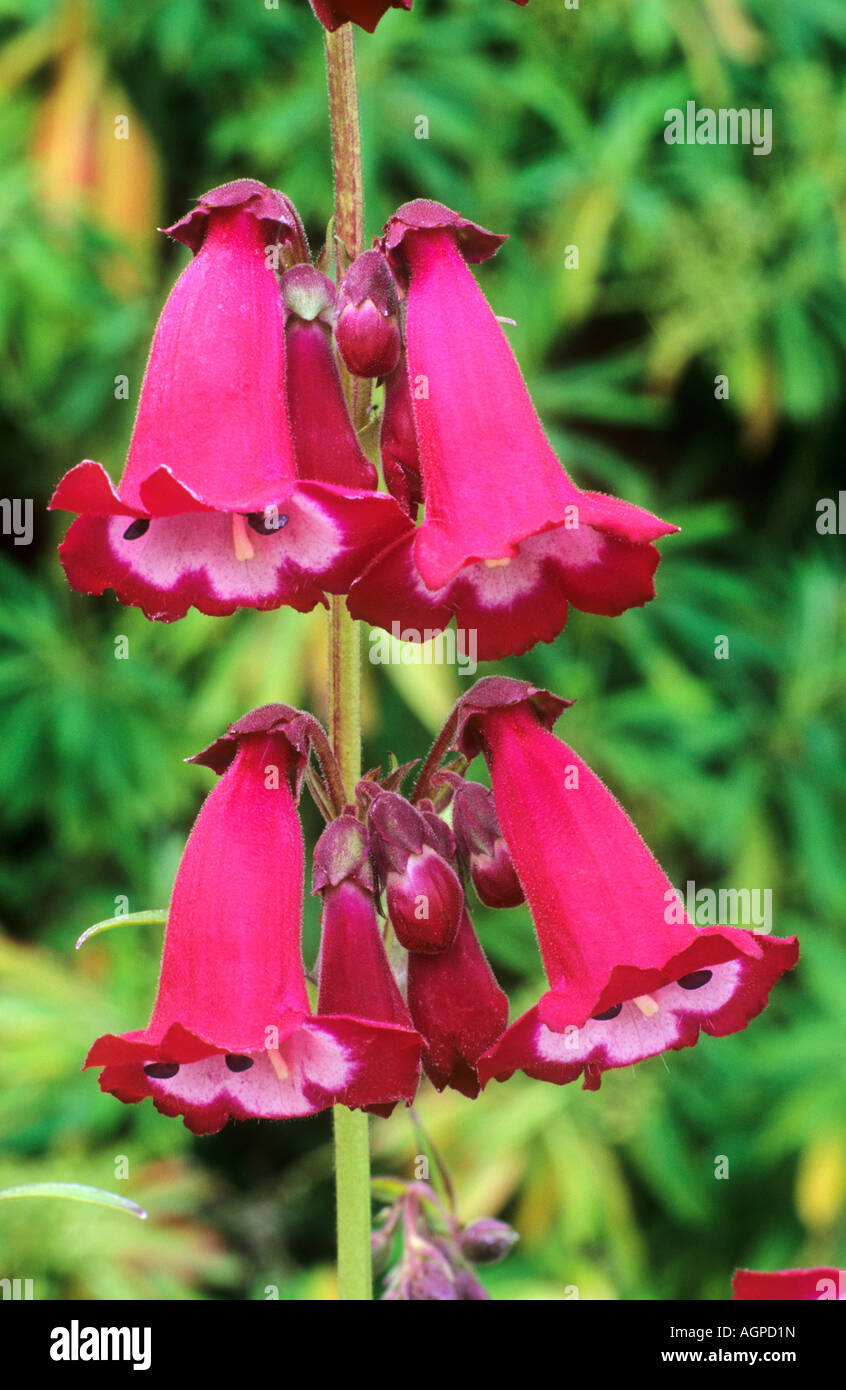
(352, 1140)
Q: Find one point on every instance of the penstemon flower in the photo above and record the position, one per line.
(355, 977)
(458, 1007)
(210, 511)
(232, 1033)
(325, 443)
(630, 976)
(507, 540)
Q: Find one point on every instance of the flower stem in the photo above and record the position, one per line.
(352, 1140)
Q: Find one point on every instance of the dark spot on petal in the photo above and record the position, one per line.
(161, 1070)
(267, 523)
(609, 1013)
(137, 528)
(238, 1063)
(696, 980)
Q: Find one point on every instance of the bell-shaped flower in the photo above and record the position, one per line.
(459, 1008)
(355, 978)
(507, 540)
(210, 510)
(325, 444)
(630, 975)
(366, 13)
(232, 1033)
(790, 1285)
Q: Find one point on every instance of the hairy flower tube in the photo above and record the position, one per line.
(232, 1034)
(210, 510)
(507, 541)
(629, 974)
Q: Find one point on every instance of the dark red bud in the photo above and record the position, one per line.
(396, 829)
(367, 329)
(342, 852)
(469, 1287)
(480, 842)
(424, 902)
(487, 1242)
(439, 835)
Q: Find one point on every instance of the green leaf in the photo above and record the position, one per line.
(76, 1192)
(156, 917)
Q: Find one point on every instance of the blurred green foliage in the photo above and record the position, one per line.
(695, 262)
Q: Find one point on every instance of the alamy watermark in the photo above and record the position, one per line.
(412, 646)
(727, 126)
(16, 519)
(709, 907)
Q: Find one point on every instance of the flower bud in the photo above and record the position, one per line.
(487, 1242)
(468, 1287)
(480, 841)
(423, 893)
(367, 329)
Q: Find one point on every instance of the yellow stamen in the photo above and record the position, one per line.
(278, 1064)
(241, 538)
(646, 1004)
(496, 564)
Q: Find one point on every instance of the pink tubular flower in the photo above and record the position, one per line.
(507, 540)
(790, 1285)
(459, 1008)
(232, 1033)
(325, 443)
(356, 980)
(209, 510)
(366, 13)
(630, 976)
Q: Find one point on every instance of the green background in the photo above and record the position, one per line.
(695, 262)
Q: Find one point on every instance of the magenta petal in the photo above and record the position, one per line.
(88, 489)
(794, 1285)
(366, 13)
(212, 406)
(325, 442)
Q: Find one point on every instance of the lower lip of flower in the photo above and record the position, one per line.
(496, 564)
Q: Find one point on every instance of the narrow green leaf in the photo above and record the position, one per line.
(156, 917)
(76, 1192)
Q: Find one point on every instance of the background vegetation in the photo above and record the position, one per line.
(694, 262)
